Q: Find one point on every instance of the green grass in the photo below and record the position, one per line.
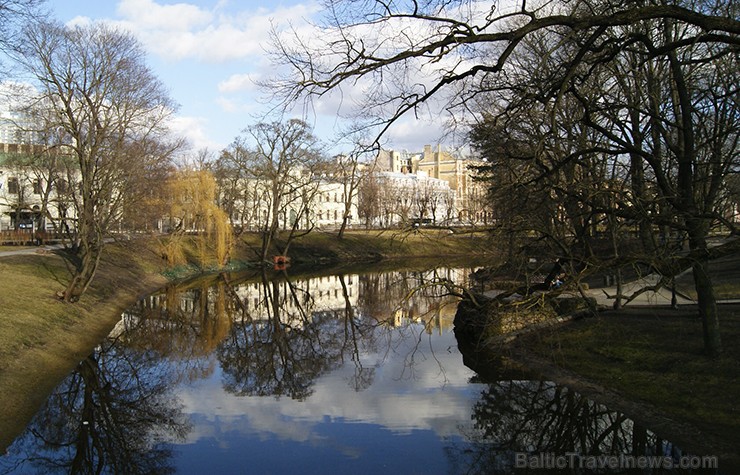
(42, 338)
(30, 309)
(14, 248)
(390, 244)
(656, 356)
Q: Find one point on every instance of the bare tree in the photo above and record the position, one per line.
(636, 131)
(351, 171)
(14, 15)
(368, 200)
(404, 55)
(108, 104)
(280, 158)
(238, 190)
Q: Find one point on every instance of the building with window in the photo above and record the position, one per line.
(394, 198)
(469, 196)
(33, 197)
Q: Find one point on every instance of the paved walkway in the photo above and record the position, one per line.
(27, 251)
(605, 295)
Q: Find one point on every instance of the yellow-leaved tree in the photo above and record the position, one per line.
(196, 218)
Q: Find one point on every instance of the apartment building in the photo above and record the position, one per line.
(30, 198)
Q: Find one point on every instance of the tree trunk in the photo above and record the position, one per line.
(84, 273)
(707, 308)
(90, 247)
(343, 227)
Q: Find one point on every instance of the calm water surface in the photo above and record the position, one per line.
(328, 374)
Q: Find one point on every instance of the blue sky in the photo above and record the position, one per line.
(209, 52)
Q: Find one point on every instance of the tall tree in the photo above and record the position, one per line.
(282, 158)
(655, 140)
(350, 171)
(107, 102)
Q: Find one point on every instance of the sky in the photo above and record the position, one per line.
(209, 54)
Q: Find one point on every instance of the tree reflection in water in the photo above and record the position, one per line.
(540, 417)
(108, 416)
(289, 338)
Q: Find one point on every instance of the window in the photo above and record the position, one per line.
(37, 186)
(13, 187)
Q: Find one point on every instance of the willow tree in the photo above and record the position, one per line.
(104, 100)
(195, 212)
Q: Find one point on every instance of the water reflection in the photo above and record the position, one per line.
(340, 373)
(109, 416)
(540, 418)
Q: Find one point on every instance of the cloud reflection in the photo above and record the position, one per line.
(428, 401)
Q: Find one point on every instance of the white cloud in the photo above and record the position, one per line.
(80, 21)
(434, 400)
(182, 30)
(150, 15)
(193, 129)
(238, 83)
(412, 134)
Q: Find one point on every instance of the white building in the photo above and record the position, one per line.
(298, 301)
(410, 198)
(28, 202)
(315, 202)
(327, 209)
(469, 197)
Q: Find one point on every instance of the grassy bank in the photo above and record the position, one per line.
(652, 357)
(42, 338)
(647, 361)
(323, 247)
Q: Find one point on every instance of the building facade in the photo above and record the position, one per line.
(469, 203)
(33, 197)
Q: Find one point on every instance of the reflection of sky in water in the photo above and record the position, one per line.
(402, 420)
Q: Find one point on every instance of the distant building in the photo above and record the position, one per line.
(315, 202)
(32, 197)
(470, 204)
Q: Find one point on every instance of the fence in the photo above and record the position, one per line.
(24, 237)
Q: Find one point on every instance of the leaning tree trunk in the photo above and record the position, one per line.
(83, 276)
(90, 249)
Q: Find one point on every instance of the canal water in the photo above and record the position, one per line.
(348, 373)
